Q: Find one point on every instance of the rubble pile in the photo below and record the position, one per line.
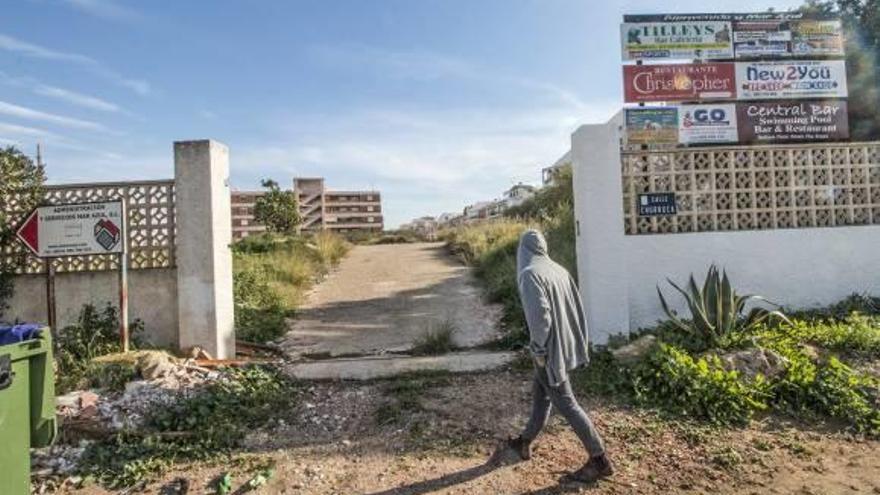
(88, 415)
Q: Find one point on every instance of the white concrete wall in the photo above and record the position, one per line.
(619, 273)
(152, 298)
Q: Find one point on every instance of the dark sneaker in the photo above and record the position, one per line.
(595, 469)
(521, 446)
(511, 451)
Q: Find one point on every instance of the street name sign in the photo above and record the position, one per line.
(74, 230)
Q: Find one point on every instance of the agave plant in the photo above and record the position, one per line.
(716, 309)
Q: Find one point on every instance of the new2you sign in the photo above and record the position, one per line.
(791, 79)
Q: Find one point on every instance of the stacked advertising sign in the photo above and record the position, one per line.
(761, 78)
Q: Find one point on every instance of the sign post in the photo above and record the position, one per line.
(80, 229)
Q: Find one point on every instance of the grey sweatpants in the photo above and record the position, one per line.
(562, 398)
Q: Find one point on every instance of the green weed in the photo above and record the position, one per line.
(439, 338)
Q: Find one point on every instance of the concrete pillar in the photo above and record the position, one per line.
(601, 251)
(204, 258)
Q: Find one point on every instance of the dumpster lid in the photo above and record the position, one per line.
(19, 333)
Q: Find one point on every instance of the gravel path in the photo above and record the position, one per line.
(383, 298)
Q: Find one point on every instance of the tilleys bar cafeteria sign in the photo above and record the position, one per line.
(675, 82)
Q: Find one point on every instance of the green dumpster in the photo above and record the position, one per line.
(27, 407)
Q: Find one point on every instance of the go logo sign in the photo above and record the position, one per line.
(710, 115)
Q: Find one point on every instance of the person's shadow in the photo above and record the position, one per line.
(445, 481)
(502, 457)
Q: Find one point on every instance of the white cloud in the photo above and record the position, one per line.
(62, 94)
(26, 49)
(79, 99)
(20, 130)
(105, 9)
(31, 114)
(424, 161)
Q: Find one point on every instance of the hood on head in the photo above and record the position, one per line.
(532, 244)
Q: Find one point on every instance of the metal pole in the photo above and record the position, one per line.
(50, 298)
(123, 282)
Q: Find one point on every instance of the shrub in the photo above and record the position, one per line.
(259, 310)
(716, 310)
(330, 247)
(825, 388)
(854, 335)
(96, 333)
(701, 388)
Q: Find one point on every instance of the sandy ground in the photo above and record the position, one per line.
(382, 298)
(340, 439)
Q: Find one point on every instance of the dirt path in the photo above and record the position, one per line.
(375, 438)
(383, 298)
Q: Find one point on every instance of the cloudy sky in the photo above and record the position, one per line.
(438, 103)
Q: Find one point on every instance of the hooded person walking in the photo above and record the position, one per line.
(558, 344)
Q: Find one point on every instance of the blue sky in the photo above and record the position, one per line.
(438, 103)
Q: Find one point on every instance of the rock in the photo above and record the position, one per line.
(69, 400)
(751, 362)
(635, 350)
(88, 399)
(154, 365)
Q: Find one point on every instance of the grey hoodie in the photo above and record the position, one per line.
(552, 305)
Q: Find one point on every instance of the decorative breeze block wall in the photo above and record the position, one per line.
(150, 228)
(755, 187)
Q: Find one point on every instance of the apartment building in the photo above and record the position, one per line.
(337, 211)
(243, 223)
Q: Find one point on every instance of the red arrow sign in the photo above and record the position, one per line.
(29, 232)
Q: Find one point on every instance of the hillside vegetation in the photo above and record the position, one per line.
(272, 273)
(491, 248)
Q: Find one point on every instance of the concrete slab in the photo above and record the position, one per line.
(368, 368)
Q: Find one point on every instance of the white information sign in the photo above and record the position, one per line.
(75, 229)
(707, 124)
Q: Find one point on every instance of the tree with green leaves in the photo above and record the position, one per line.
(277, 210)
(861, 25)
(21, 189)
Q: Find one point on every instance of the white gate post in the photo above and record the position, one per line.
(598, 209)
(204, 258)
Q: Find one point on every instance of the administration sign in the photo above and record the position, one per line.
(74, 229)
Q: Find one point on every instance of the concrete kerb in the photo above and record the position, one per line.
(373, 367)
